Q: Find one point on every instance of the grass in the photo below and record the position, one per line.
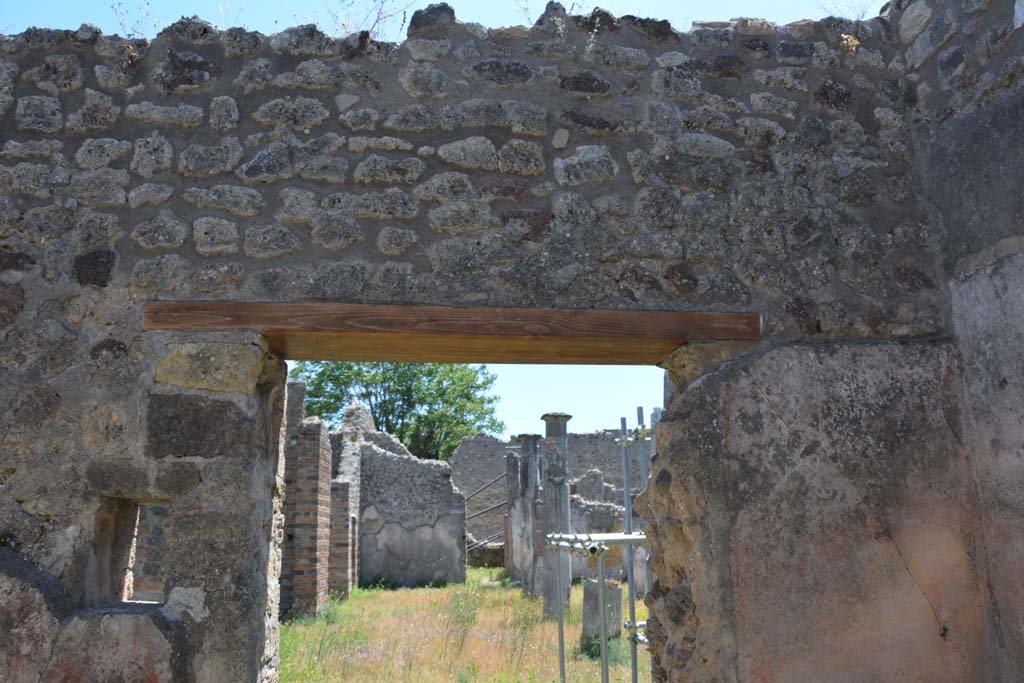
(482, 631)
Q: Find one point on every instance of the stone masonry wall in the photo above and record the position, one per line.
(841, 178)
(816, 504)
(583, 162)
(969, 160)
(412, 527)
(480, 458)
(346, 472)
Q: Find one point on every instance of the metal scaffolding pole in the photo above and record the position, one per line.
(627, 495)
(596, 545)
(561, 624)
(602, 617)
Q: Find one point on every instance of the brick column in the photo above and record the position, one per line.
(307, 509)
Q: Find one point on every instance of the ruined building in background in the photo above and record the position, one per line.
(359, 509)
(412, 520)
(480, 458)
(595, 495)
(839, 500)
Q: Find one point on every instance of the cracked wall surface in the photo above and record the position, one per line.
(853, 182)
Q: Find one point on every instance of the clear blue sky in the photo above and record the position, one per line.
(335, 16)
(595, 396)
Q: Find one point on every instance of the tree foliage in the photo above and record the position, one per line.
(429, 406)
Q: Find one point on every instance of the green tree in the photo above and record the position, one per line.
(429, 406)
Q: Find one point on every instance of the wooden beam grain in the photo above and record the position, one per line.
(364, 332)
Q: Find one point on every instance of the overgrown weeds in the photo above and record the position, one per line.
(482, 631)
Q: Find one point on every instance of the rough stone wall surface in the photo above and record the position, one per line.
(988, 309)
(46, 639)
(968, 161)
(412, 527)
(736, 166)
(346, 472)
(188, 419)
(477, 460)
(816, 505)
(585, 162)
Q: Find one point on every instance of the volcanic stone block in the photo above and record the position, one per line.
(181, 425)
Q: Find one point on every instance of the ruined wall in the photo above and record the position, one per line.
(816, 504)
(192, 421)
(480, 458)
(346, 476)
(589, 516)
(585, 162)
(969, 161)
(412, 525)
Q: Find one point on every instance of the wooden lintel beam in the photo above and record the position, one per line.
(363, 332)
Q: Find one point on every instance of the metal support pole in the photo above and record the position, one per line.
(492, 482)
(627, 495)
(561, 624)
(492, 508)
(603, 621)
(643, 452)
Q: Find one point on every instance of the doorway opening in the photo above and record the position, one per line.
(347, 477)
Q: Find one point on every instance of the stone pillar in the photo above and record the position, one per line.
(214, 441)
(590, 634)
(304, 578)
(556, 509)
(800, 485)
(522, 493)
(340, 574)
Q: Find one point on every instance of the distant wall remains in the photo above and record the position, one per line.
(481, 458)
(412, 520)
